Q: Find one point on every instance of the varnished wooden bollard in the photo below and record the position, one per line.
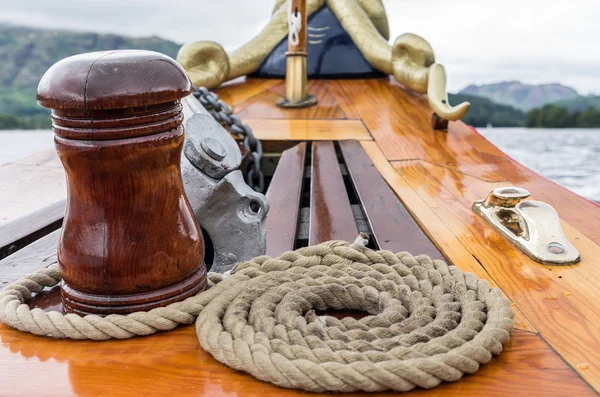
(129, 240)
(296, 80)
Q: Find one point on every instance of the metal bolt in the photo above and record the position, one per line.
(213, 148)
(556, 248)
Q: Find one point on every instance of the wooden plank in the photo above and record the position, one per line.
(433, 225)
(393, 226)
(330, 213)
(239, 90)
(308, 130)
(399, 121)
(284, 200)
(343, 100)
(262, 106)
(33, 195)
(31, 365)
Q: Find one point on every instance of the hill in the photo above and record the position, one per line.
(26, 53)
(522, 96)
(484, 110)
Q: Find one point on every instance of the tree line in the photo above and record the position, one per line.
(554, 116)
(484, 111)
(12, 122)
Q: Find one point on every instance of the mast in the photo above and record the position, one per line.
(296, 92)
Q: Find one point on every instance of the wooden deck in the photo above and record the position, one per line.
(385, 135)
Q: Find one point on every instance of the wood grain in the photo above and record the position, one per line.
(236, 91)
(391, 223)
(330, 213)
(565, 316)
(263, 106)
(129, 240)
(399, 120)
(284, 201)
(308, 130)
(173, 362)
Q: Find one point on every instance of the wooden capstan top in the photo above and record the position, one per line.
(103, 95)
(130, 240)
(108, 80)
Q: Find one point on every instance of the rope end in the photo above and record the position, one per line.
(361, 241)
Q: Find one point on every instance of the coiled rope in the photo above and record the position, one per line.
(428, 322)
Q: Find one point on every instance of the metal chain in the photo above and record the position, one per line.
(223, 114)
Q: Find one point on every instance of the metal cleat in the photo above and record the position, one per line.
(228, 210)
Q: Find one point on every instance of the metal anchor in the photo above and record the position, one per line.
(227, 209)
(532, 226)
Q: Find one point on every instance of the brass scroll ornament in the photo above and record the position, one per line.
(410, 60)
(532, 226)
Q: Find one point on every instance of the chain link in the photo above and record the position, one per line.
(223, 114)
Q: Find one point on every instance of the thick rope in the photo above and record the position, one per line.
(428, 323)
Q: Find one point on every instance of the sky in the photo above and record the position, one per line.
(479, 41)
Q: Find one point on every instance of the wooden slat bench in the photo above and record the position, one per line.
(320, 191)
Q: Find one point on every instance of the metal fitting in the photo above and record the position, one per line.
(227, 209)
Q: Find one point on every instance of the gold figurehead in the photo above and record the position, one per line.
(410, 60)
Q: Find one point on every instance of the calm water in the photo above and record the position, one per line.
(568, 157)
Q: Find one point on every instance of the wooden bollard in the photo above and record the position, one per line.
(129, 241)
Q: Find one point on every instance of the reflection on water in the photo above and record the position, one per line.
(569, 157)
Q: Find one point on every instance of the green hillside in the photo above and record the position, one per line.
(484, 111)
(26, 53)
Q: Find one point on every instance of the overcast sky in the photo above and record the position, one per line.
(479, 41)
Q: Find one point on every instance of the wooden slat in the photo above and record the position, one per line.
(33, 195)
(263, 106)
(391, 223)
(330, 213)
(308, 130)
(284, 200)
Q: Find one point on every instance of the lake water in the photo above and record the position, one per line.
(570, 157)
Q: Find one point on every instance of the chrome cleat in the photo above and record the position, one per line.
(532, 226)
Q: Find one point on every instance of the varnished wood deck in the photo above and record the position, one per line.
(554, 351)
(438, 176)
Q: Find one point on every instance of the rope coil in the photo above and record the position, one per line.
(428, 322)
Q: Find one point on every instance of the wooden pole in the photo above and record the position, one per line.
(296, 92)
